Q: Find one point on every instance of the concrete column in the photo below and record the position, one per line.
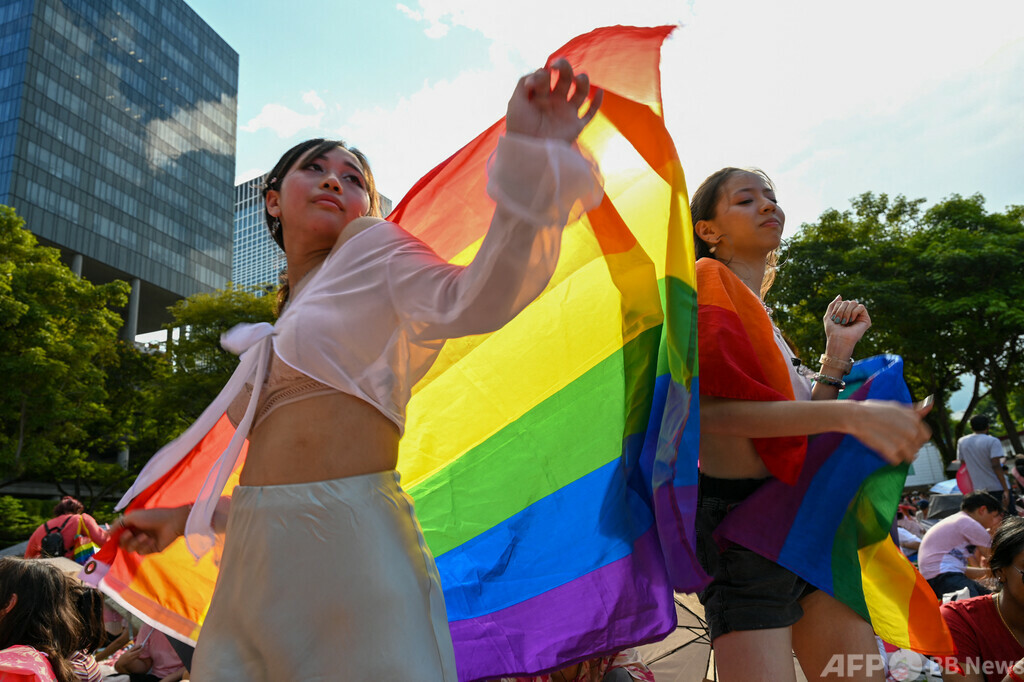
(76, 264)
(122, 458)
(131, 323)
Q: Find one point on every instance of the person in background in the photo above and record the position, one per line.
(625, 666)
(908, 521)
(66, 515)
(909, 542)
(89, 603)
(983, 455)
(948, 544)
(40, 629)
(988, 629)
(756, 409)
(152, 659)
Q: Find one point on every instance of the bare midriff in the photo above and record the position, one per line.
(725, 456)
(319, 439)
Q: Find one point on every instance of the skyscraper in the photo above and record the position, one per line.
(256, 259)
(117, 142)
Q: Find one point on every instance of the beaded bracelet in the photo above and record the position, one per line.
(820, 378)
(843, 366)
(1013, 674)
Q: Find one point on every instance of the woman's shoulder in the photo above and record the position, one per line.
(970, 609)
(717, 284)
(23, 660)
(369, 237)
(711, 270)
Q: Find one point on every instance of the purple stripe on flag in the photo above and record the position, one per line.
(619, 605)
(678, 538)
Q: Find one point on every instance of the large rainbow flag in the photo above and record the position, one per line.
(832, 528)
(553, 462)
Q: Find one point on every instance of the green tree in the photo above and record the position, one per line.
(943, 288)
(200, 366)
(978, 284)
(55, 330)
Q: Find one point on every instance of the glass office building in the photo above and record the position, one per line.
(117, 142)
(257, 261)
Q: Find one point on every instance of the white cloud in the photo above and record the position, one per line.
(533, 28)
(965, 135)
(405, 141)
(435, 27)
(248, 174)
(833, 100)
(830, 99)
(282, 121)
(313, 99)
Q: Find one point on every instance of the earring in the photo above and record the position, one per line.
(275, 227)
(713, 248)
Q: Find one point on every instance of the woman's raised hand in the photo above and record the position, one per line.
(539, 109)
(846, 322)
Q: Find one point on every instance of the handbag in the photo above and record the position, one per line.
(82, 547)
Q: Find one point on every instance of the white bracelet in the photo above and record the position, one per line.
(843, 366)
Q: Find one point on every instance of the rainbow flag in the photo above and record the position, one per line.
(553, 462)
(553, 507)
(845, 499)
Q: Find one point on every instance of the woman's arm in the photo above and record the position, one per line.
(845, 323)
(98, 535)
(132, 661)
(893, 430)
(536, 177)
(113, 646)
(152, 530)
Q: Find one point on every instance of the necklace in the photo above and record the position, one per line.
(998, 599)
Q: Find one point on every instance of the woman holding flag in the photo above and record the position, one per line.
(757, 408)
(324, 565)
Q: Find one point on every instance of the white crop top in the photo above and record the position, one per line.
(372, 318)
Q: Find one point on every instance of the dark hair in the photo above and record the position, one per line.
(703, 205)
(68, 505)
(44, 616)
(310, 149)
(979, 422)
(979, 500)
(90, 609)
(1007, 543)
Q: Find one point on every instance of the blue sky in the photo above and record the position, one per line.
(919, 97)
(831, 99)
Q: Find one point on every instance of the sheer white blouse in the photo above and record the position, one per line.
(372, 318)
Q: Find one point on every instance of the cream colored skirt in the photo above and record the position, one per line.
(325, 581)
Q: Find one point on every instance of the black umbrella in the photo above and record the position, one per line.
(685, 655)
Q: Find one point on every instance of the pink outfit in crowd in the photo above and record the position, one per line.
(158, 649)
(944, 548)
(22, 663)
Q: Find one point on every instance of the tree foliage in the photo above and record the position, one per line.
(945, 289)
(56, 330)
(200, 366)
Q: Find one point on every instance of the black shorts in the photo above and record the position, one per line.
(748, 591)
